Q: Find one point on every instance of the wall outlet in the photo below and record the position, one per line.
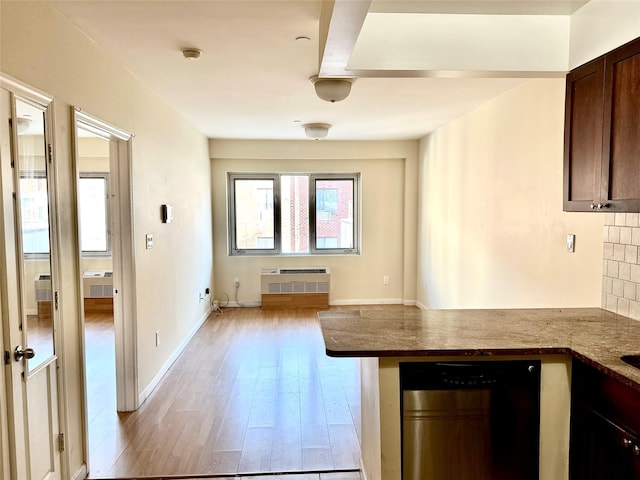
(236, 282)
(385, 279)
(200, 296)
(157, 338)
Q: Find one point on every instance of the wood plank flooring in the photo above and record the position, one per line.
(255, 393)
(284, 476)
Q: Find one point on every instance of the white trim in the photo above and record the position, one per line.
(123, 265)
(363, 472)
(351, 302)
(123, 254)
(421, 306)
(170, 361)
(81, 473)
(20, 89)
(100, 127)
(243, 304)
(5, 456)
(369, 301)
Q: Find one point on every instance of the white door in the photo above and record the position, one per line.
(29, 298)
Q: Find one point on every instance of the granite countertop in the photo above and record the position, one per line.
(593, 335)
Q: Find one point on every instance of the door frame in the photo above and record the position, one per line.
(15, 457)
(123, 256)
(5, 458)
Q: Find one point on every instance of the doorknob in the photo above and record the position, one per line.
(20, 352)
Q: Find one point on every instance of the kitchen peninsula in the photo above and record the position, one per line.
(385, 338)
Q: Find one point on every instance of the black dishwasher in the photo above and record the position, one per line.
(477, 420)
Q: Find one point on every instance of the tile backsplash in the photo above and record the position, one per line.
(621, 268)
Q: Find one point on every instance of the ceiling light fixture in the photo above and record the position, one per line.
(316, 130)
(24, 124)
(332, 89)
(191, 53)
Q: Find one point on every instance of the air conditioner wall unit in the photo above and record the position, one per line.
(97, 284)
(44, 295)
(297, 287)
(98, 291)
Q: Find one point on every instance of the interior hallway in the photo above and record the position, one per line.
(253, 392)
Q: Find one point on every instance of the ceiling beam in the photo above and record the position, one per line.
(340, 25)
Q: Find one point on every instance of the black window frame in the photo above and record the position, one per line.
(232, 177)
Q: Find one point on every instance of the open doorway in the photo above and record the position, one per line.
(106, 280)
(96, 267)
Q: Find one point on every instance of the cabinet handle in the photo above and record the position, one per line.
(603, 205)
(593, 206)
(636, 450)
(626, 443)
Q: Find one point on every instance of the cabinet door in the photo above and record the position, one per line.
(602, 450)
(621, 145)
(583, 136)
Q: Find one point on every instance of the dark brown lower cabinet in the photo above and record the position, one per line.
(605, 427)
(601, 449)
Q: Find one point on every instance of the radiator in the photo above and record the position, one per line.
(43, 287)
(298, 287)
(97, 284)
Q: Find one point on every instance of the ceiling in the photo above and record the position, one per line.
(418, 64)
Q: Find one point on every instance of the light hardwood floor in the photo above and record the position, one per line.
(254, 392)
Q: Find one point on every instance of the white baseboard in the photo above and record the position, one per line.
(174, 356)
(421, 306)
(243, 304)
(363, 472)
(360, 301)
(81, 473)
(368, 301)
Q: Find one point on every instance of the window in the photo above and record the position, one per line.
(327, 199)
(293, 214)
(93, 195)
(34, 209)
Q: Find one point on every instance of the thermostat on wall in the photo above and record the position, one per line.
(167, 213)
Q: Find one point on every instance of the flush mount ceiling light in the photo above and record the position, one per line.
(332, 89)
(23, 125)
(191, 53)
(316, 130)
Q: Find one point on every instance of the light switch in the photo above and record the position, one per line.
(149, 238)
(571, 243)
(167, 213)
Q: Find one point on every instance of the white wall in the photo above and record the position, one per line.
(170, 165)
(491, 228)
(600, 26)
(389, 192)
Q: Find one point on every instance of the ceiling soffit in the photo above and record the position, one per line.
(492, 39)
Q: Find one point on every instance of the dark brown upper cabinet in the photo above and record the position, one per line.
(602, 133)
